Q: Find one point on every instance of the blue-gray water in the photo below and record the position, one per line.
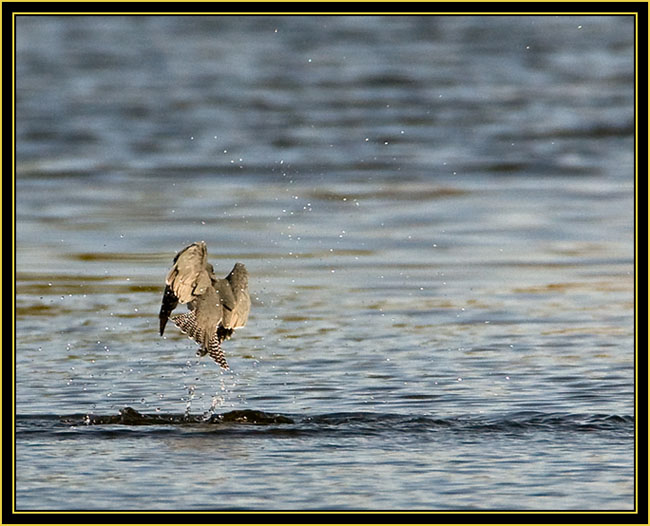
(437, 214)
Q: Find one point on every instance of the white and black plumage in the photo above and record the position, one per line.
(217, 306)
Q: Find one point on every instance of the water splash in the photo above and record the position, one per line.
(188, 405)
(218, 399)
(358, 423)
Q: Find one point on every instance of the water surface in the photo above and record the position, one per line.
(437, 215)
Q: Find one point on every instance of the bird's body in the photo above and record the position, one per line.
(217, 306)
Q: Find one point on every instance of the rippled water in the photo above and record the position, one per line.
(437, 214)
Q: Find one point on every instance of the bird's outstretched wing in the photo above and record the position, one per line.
(237, 309)
(187, 279)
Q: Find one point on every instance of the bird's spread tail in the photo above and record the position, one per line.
(187, 323)
(215, 352)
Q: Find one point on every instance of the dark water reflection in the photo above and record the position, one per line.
(437, 214)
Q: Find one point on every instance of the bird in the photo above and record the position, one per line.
(217, 306)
